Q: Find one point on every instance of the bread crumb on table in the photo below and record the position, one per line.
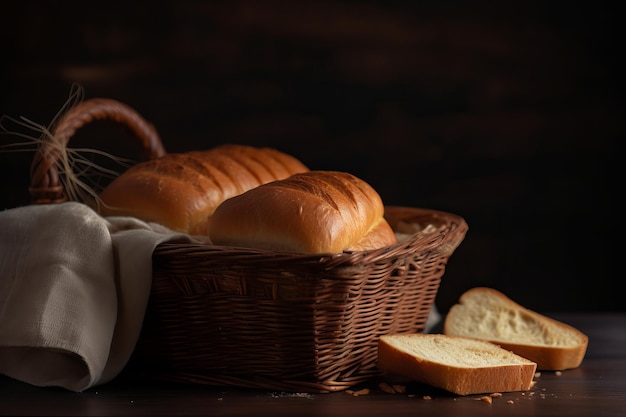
(385, 387)
(486, 399)
(392, 389)
(363, 391)
(401, 389)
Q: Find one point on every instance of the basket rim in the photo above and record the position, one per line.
(455, 230)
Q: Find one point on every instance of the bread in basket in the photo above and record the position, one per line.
(232, 316)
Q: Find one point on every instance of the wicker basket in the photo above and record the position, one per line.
(230, 316)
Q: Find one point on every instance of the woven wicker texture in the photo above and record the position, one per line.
(231, 316)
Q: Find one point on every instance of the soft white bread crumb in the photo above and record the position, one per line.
(457, 364)
(487, 314)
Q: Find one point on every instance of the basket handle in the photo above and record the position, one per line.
(45, 186)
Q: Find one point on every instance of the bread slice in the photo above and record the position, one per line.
(487, 314)
(456, 364)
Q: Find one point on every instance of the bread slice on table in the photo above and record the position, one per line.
(487, 314)
(459, 365)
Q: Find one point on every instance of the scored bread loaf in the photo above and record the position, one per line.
(456, 364)
(181, 190)
(308, 212)
(487, 314)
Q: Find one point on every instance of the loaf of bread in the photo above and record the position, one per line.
(487, 314)
(309, 212)
(182, 190)
(456, 364)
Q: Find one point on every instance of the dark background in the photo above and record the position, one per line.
(506, 114)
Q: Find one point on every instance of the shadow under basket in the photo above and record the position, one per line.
(229, 316)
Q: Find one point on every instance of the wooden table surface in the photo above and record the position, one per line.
(596, 389)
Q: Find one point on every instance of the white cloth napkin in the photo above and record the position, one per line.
(73, 292)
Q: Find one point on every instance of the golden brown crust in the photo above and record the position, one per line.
(379, 236)
(549, 358)
(181, 191)
(463, 377)
(310, 212)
